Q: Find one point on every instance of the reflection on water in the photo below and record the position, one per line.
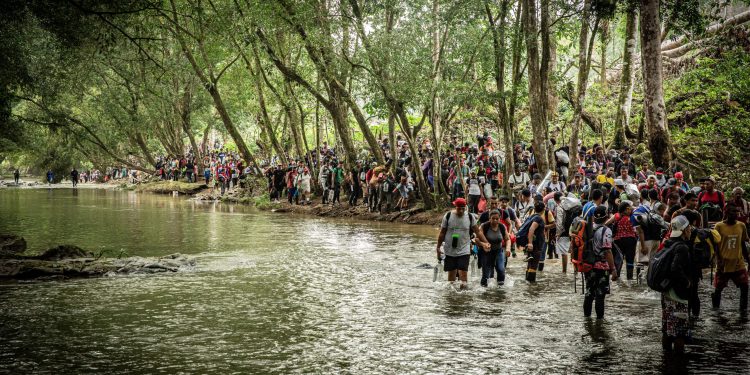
(276, 293)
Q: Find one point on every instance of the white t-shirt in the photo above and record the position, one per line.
(555, 187)
(474, 186)
(459, 226)
(518, 182)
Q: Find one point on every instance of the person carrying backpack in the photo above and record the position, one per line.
(603, 264)
(455, 241)
(531, 236)
(730, 264)
(651, 229)
(625, 238)
(710, 202)
(494, 258)
(673, 266)
(567, 209)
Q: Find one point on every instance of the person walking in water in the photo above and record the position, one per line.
(17, 176)
(730, 264)
(493, 259)
(597, 280)
(455, 241)
(74, 177)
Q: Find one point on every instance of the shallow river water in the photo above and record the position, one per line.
(277, 293)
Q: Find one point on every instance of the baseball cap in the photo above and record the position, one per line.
(678, 175)
(679, 224)
(554, 174)
(459, 202)
(600, 212)
(619, 182)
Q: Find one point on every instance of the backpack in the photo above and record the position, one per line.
(471, 220)
(704, 247)
(711, 213)
(522, 236)
(653, 228)
(570, 215)
(658, 276)
(582, 254)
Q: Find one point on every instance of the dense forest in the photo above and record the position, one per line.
(102, 83)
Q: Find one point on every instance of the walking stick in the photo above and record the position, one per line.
(575, 282)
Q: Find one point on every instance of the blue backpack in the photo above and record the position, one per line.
(522, 236)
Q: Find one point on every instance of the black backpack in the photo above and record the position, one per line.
(570, 215)
(653, 229)
(704, 248)
(658, 277)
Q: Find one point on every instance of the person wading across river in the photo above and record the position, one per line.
(675, 324)
(597, 280)
(729, 259)
(493, 259)
(455, 239)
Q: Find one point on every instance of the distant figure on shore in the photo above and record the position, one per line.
(16, 176)
(50, 177)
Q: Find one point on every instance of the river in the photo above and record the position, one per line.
(278, 294)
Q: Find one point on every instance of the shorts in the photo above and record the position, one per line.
(651, 247)
(739, 278)
(460, 263)
(562, 246)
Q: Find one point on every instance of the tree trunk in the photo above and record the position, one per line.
(583, 74)
(436, 114)
(510, 129)
(536, 104)
(604, 39)
(185, 112)
(659, 142)
(503, 119)
(416, 160)
(229, 125)
(544, 75)
(625, 99)
(144, 148)
(392, 139)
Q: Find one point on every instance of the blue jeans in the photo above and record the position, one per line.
(491, 262)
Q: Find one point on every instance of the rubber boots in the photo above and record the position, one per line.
(716, 299)
(531, 275)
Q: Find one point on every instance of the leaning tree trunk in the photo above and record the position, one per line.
(625, 99)
(659, 142)
(536, 107)
(416, 160)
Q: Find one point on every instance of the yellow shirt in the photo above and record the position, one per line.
(730, 248)
(603, 178)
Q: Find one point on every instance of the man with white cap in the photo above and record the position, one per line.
(675, 324)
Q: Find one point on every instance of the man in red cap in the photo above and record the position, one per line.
(455, 240)
(680, 182)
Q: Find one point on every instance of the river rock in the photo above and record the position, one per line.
(64, 252)
(81, 267)
(11, 245)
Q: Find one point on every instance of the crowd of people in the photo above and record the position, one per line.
(612, 213)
